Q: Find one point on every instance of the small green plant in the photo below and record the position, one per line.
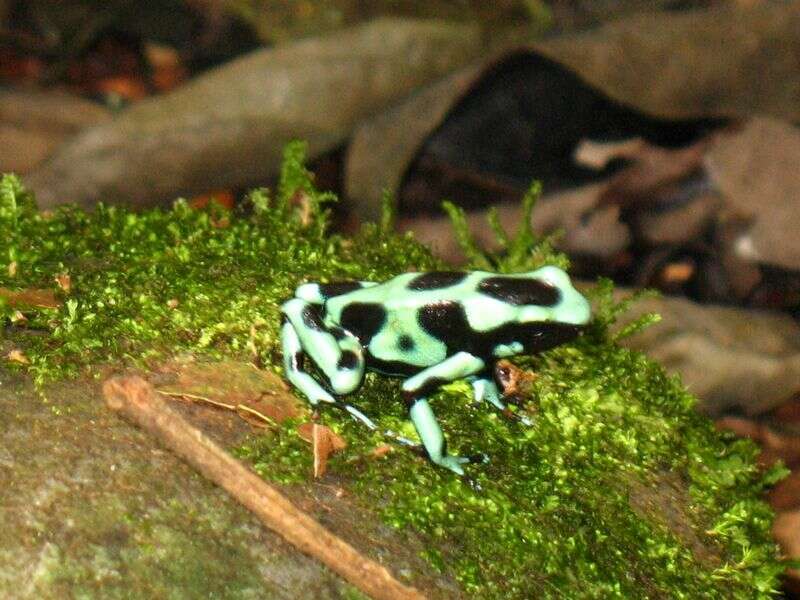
(523, 251)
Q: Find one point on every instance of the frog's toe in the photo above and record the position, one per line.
(453, 463)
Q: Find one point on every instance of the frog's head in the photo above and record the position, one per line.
(559, 301)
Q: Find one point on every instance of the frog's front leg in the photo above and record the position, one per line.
(484, 388)
(458, 366)
(337, 353)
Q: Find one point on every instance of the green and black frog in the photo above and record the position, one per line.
(430, 328)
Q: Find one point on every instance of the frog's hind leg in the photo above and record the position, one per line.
(415, 388)
(338, 355)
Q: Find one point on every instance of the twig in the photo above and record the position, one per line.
(237, 408)
(138, 401)
(198, 398)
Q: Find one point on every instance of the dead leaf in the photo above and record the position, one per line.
(34, 123)
(785, 494)
(64, 282)
(12, 266)
(516, 382)
(306, 432)
(30, 298)
(381, 451)
(18, 357)
(786, 530)
(678, 273)
(315, 89)
(254, 394)
(730, 358)
(324, 442)
(167, 69)
(774, 445)
(223, 197)
(788, 413)
(755, 169)
(652, 168)
(597, 155)
(710, 58)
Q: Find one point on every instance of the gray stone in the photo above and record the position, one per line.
(731, 358)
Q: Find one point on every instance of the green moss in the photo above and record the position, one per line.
(146, 285)
(552, 515)
(619, 489)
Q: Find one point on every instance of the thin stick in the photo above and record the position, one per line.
(138, 401)
(237, 408)
(198, 398)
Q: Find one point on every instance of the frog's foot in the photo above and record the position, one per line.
(351, 410)
(485, 390)
(513, 398)
(515, 416)
(452, 462)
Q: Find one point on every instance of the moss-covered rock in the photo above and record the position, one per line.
(618, 489)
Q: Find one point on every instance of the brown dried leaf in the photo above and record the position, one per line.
(64, 282)
(755, 168)
(34, 123)
(729, 357)
(788, 413)
(774, 445)
(31, 298)
(712, 57)
(306, 432)
(786, 493)
(786, 530)
(325, 442)
(381, 451)
(597, 155)
(515, 382)
(327, 85)
(18, 357)
(257, 396)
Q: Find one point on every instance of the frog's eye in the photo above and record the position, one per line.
(520, 291)
(552, 275)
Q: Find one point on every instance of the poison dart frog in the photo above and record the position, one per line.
(430, 328)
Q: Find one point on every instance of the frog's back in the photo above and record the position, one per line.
(407, 292)
(385, 318)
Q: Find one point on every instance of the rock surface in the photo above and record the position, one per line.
(731, 358)
(92, 507)
(225, 129)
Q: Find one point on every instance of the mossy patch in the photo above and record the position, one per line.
(148, 285)
(562, 508)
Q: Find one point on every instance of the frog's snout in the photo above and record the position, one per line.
(575, 309)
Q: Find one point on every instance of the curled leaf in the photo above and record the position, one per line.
(18, 357)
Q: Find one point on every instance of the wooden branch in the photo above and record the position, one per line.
(138, 401)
